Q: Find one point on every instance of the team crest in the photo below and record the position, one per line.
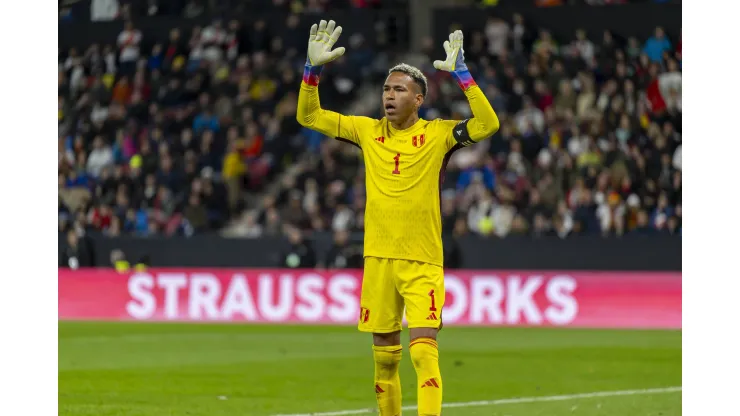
(418, 141)
(364, 314)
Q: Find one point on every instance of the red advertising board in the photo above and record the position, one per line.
(512, 298)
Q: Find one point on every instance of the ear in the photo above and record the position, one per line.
(419, 101)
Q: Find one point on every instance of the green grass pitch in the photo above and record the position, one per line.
(144, 369)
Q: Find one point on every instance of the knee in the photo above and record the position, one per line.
(387, 339)
(387, 359)
(387, 349)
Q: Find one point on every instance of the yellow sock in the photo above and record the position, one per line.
(425, 356)
(387, 380)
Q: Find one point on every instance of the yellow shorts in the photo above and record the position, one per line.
(390, 284)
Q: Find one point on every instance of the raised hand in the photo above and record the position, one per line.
(322, 39)
(454, 48)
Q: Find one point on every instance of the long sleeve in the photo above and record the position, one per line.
(310, 114)
(484, 122)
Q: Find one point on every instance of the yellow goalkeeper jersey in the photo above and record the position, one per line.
(403, 170)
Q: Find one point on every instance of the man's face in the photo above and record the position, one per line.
(341, 237)
(401, 97)
(294, 236)
(72, 239)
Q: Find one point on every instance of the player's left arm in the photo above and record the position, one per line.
(485, 121)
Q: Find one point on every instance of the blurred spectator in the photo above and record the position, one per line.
(582, 47)
(485, 217)
(197, 134)
(104, 10)
(118, 261)
(251, 227)
(193, 9)
(497, 34)
(100, 157)
(128, 46)
(344, 254)
(213, 41)
(481, 173)
(76, 252)
(453, 254)
(195, 214)
(299, 254)
(656, 45)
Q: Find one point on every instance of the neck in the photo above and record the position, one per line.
(403, 125)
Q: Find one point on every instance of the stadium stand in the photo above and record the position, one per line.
(198, 134)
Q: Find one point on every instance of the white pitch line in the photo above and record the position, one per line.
(534, 399)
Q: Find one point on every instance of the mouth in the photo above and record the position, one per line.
(390, 108)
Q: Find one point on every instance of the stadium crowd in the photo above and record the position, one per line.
(107, 10)
(198, 134)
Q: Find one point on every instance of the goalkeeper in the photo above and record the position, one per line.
(405, 158)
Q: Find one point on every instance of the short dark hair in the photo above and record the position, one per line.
(415, 74)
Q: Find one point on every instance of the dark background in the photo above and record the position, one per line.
(647, 253)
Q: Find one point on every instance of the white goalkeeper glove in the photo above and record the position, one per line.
(454, 48)
(455, 62)
(320, 42)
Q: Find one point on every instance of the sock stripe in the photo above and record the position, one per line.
(428, 343)
(430, 340)
(424, 340)
(392, 349)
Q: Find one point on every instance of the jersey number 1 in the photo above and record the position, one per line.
(431, 295)
(397, 158)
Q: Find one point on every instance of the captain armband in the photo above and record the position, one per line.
(461, 135)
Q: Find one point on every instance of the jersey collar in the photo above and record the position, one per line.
(420, 123)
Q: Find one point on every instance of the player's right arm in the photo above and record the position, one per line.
(310, 114)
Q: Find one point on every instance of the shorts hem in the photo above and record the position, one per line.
(425, 325)
(378, 330)
(421, 260)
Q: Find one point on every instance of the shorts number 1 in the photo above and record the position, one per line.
(431, 295)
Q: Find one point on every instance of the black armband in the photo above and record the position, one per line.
(460, 133)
